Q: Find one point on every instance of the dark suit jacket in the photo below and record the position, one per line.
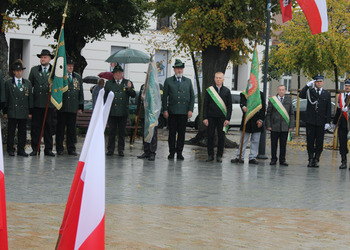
(320, 114)
(211, 109)
(275, 120)
(251, 126)
(73, 98)
(41, 86)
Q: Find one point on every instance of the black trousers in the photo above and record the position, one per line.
(37, 121)
(149, 148)
(22, 134)
(116, 122)
(216, 123)
(343, 140)
(177, 125)
(314, 138)
(282, 138)
(65, 121)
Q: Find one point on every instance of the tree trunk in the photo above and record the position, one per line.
(3, 43)
(199, 90)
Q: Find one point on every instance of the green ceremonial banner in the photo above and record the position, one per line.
(58, 76)
(252, 93)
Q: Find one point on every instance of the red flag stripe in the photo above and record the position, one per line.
(96, 238)
(3, 220)
(286, 11)
(313, 13)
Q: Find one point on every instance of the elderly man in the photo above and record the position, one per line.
(72, 103)
(123, 89)
(19, 101)
(178, 102)
(280, 121)
(343, 126)
(39, 76)
(217, 111)
(318, 117)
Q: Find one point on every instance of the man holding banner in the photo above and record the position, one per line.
(280, 121)
(217, 111)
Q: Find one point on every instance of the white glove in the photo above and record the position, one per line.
(344, 109)
(326, 126)
(311, 83)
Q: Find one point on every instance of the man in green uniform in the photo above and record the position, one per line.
(72, 103)
(19, 100)
(39, 76)
(123, 89)
(178, 102)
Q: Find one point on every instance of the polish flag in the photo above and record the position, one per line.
(83, 221)
(3, 221)
(316, 14)
(286, 9)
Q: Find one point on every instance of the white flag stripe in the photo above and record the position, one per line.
(322, 8)
(107, 108)
(98, 108)
(92, 207)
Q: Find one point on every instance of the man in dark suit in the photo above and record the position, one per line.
(39, 76)
(280, 121)
(178, 103)
(2, 91)
(72, 103)
(217, 109)
(318, 117)
(19, 101)
(253, 130)
(123, 89)
(343, 126)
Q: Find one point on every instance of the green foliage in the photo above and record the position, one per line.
(299, 50)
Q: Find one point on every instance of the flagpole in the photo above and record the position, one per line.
(242, 139)
(49, 96)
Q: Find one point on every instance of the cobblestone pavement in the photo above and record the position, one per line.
(189, 204)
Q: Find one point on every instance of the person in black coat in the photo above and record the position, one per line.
(318, 117)
(214, 118)
(253, 129)
(343, 126)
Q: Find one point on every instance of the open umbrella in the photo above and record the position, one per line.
(129, 56)
(106, 75)
(91, 79)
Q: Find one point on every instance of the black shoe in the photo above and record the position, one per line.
(11, 153)
(171, 157)
(316, 164)
(180, 157)
(284, 163)
(73, 153)
(49, 153)
(34, 153)
(273, 162)
(143, 156)
(121, 153)
(236, 160)
(218, 158)
(22, 153)
(59, 152)
(311, 163)
(253, 161)
(210, 158)
(109, 153)
(151, 157)
(342, 166)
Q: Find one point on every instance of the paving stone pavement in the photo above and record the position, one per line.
(189, 204)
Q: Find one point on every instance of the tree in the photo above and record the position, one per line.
(87, 20)
(222, 30)
(327, 52)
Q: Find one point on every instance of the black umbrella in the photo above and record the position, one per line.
(91, 79)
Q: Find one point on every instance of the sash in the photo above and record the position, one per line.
(282, 110)
(342, 103)
(218, 101)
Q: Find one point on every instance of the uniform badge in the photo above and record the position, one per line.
(21, 89)
(124, 88)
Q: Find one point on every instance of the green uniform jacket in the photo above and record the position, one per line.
(178, 99)
(41, 86)
(73, 98)
(142, 113)
(120, 104)
(2, 89)
(18, 101)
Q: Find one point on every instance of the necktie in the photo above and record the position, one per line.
(281, 99)
(179, 80)
(19, 85)
(70, 77)
(346, 97)
(45, 71)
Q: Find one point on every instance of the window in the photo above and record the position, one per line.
(16, 50)
(161, 58)
(286, 81)
(163, 22)
(115, 49)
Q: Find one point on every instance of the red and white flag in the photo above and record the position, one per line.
(3, 220)
(316, 14)
(286, 9)
(83, 222)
